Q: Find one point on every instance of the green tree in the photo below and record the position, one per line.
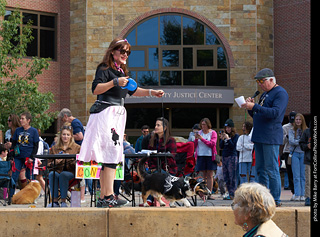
(19, 91)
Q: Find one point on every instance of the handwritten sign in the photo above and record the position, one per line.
(92, 169)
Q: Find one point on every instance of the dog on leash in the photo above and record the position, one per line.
(172, 188)
(29, 194)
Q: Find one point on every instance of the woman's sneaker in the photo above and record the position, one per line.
(293, 197)
(297, 198)
(55, 204)
(110, 202)
(227, 198)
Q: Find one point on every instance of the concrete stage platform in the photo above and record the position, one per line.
(212, 218)
(139, 221)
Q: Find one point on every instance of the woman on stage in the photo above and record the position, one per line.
(105, 129)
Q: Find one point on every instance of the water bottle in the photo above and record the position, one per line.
(45, 152)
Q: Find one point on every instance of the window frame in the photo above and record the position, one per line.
(180, 48)
(39, 28)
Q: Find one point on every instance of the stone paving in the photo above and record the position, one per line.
(285, 199)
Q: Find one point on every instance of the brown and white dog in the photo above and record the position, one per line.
(172, 188)
(28, 194)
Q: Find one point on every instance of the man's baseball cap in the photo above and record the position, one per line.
(292, 115)
(266, 72)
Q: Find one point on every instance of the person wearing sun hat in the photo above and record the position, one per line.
(267, 132)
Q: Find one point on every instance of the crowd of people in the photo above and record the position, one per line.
(23, 143)
(252, 157)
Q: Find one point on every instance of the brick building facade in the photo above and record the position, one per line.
(57, 78)
(292, 50)
(254, 34)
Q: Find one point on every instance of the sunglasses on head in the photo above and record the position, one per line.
(123, 51)
(66, 127)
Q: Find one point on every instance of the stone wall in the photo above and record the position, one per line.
(78, 54)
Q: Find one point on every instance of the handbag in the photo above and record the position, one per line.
(16, 150)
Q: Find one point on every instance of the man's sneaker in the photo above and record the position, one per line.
(63, 204)
(110, 202)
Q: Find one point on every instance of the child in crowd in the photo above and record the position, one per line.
(245, 147)
(219, 176)
(3, 157)
(3, 152)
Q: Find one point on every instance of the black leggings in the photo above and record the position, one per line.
(111, 166)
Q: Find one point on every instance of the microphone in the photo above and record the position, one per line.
(255, 94)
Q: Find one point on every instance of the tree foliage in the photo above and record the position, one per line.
(18, 85)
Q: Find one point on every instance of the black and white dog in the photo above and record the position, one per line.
(171, 187)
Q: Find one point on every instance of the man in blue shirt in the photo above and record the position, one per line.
(267, 130)
(78, 131)
(145, 132)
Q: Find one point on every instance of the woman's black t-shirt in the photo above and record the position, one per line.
(114, 96)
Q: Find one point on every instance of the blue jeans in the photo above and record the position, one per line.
(267, 168)
(19, 163)
(298, 171)
(89, 183)
(62, 181)
(244, 169)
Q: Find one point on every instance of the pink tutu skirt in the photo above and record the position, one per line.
(103, 139)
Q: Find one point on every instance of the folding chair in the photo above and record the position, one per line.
(73, 182)
(185, 158)
(130, 183)
(186, 162)
(6, 180)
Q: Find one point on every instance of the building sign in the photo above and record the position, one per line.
(188, 95)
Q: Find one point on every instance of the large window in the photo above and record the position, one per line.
(44, 28)
(175, 49)
(179, 117)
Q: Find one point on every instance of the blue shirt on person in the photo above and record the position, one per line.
(229, 146)
(77, 127)
(25, 140)
(268, 116)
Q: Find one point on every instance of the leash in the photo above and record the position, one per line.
(164, 135)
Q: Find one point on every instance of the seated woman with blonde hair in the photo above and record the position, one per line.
(253, 207)
(64, 168)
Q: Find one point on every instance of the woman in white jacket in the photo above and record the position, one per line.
(245, 147)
